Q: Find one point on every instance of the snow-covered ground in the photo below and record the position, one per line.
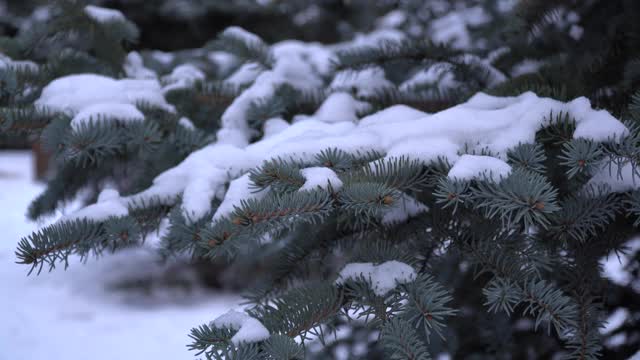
(76, 314)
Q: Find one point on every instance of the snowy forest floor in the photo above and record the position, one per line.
(104, 309)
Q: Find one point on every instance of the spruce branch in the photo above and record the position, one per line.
(452, 193)
(183, 234)
(210, 340)
(335, 159)
(522, 197)
(29, 119)
(362, 204)
(300, 311)
(581, 156)
(426, 305)
(246, 48)
(281, 347)
(256, 217)
(56, 242)
(401, 341)
(203, 101)
(559, 129)
(400, 173)
(529, 157)
(280, 175)
(392, 51)
(92, 142)
(586, 342)
(66, 183)
(430, 101)
(361, 299)
(583, 217)
(501, 295)
(550, 305)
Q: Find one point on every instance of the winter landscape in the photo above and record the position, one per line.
(258, 179)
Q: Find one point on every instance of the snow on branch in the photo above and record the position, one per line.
(102, 15)
(249, 329)
(75, 93)
(496, 124)
(382, 278)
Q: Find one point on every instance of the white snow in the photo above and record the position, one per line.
(108, 204)
(617, 180)
(392, 19)
(243, 34)
(596, 125)
(297, 64)
(134, 67)
(576, 31)
(302, 63)
(392, 114)
(239, 189)
(106, 111)
(382, 278)
(402, 210)
(182, 76)
(470, 167)
(76, 313)
(453, 27)
(274, 126)
(438, 75)
(337, 107)
(186, 123)
(73, 93)
(199, 178)
(484, 122)
(615, 320)
(425, 152)
(366, 82)
(246, 74)
(527, 66)
(162, 57)
(234, 116)
(374, 38)
(103, 15)
(614, 265)
(320, 177)
(249, 329)
(224, 61)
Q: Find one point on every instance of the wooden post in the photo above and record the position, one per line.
(40, 161)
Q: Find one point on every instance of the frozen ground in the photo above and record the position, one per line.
(76, 314)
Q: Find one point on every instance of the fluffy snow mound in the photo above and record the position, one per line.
(249, 329)
(106, 111)
(295, 63)
(183, 76)
(484, 122)
(320, 177)
(472, 167)
(103, 15)
(383, 278)
(74, 93)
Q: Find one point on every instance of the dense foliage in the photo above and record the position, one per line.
(503, 264)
